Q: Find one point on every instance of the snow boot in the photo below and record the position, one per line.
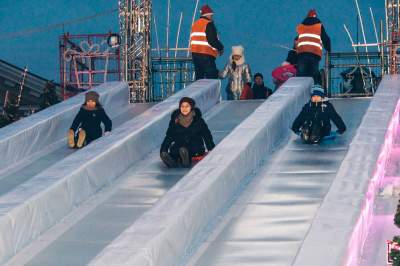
(71, 138)
(81, 139)
(184, 154)
(168, 160)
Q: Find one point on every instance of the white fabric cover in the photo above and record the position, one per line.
(341, 224)
(164, 233)
(41, 202)
(30, 136)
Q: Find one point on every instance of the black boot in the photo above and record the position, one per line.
(168, 160)
(184, 154)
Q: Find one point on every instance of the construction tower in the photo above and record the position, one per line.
(135, 31)
(393, 34)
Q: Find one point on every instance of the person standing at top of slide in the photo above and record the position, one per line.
(205, 45)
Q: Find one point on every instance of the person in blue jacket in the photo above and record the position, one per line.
(314, 121)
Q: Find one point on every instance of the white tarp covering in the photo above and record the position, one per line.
(163, 234)
(42, 201)
(340, 227)
(29, 136)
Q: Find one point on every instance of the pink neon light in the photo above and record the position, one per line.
(364, 221)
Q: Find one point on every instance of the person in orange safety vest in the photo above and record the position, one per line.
(205, 45)
(312, 38)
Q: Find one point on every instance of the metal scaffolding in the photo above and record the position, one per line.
(393, 34)
(135, 31)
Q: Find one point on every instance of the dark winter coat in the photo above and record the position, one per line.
(261, 92)
(292, 54)
(193, 137)
(320, 111)
(326, 41)
(212, 36)
(90, 120)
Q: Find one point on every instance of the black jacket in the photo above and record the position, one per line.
(90, 121)
(292, 54)
(261, 92)
(212, 36)
(192, 137)
(326, 41)
(321, 111)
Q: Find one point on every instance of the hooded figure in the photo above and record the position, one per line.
(314, 121)
(238, 73)
(186, 135)
(86, 126)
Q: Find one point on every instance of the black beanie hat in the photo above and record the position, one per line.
(187, 100)
(258, 75)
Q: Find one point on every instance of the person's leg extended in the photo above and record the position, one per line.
(198, 66)
(210, 68)
(301, 68)
(170, 158)
(184, 154)
(314, 68)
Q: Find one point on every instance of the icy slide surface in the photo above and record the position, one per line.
(313, 205)
(29, 138)
(268, 223)
(167, 233)
(39, 203)
(87, 230)
(47, 157)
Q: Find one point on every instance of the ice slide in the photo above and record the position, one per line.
(273, 200)
(31, 146)
(43, 142)
(269, 221)
(129, 156)
(90, 228)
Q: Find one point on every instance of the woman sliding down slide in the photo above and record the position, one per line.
(186, 135)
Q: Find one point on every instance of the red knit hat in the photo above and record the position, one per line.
(312, 13)
(206, 10)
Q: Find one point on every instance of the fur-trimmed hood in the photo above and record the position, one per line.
(238, 50)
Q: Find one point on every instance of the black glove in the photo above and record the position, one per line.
(233, 65)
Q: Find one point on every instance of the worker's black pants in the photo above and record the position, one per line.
(307, 66)
(204, 66)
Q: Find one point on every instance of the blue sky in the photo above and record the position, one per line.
(256, 24)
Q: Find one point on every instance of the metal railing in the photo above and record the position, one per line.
(169, 75)
(354, 74)
(86, 61)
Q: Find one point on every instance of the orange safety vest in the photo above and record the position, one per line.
(198, 39)
(309, 40)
